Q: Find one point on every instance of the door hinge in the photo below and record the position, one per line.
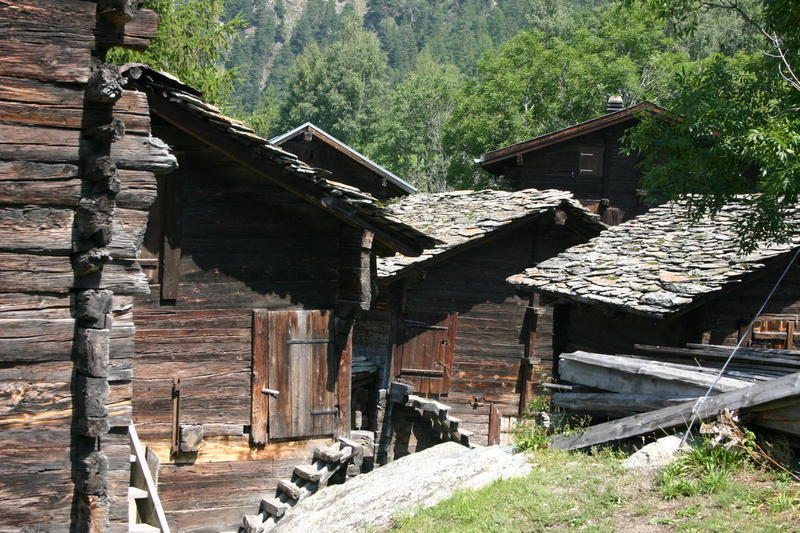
(309, 341)
(325, 412)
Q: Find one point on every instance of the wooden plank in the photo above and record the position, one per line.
(49, 62)
(613, 403)
(679, 415)
(638, 376)
(22, 183)
(34, 229)
(171, 247)
(343, 329)
(53, 145)
(259, 410)
(494, 426)
(135, 34)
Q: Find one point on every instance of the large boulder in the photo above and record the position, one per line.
(371, 501)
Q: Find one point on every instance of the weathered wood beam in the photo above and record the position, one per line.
(135, 34)
(671, 417)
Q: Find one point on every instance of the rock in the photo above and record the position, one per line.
(371, 501)
(191, 438)
(655, 455)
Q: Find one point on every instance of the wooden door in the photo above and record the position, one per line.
(423, 352)
(294, 375)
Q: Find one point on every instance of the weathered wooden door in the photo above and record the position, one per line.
(294, 375)
(423, 352)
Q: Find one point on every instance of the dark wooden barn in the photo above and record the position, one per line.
(584, 159)
(257, 266)
(447, 322)
(77, 165)
(658, 280)
(321, 149)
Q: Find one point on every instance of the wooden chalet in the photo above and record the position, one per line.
(584, 159)
(446, 321)
(257, 265)
(658, 280)
(77, 165)
(321, 149)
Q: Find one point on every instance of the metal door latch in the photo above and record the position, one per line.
(271, 392)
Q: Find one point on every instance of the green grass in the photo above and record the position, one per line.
(582, 492)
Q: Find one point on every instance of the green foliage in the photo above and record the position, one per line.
(340, 88)
(530, 435)
(190, 43)
(736, 122)
(704, 469)
(535, 83)
(410, 138)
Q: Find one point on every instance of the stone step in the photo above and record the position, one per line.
(354, 447)
(290, 489)
(273, 506)
(308, 472)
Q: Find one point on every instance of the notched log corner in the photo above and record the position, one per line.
(118, 11)
(91, 474)
(94, 219)
(105, 85)
(107, 133)
(89, 262)
(93, 307)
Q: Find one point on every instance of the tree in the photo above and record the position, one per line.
(410, 141)
(190, 43)
(735, 124)
(341, 88)
(533, 84)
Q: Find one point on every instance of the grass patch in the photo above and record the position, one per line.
(569, 491)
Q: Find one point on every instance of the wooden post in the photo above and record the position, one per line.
(176, 417)
(494, 425)
(171, 248)
(529, 360)
(343, 329)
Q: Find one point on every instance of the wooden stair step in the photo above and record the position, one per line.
(356, 448)
(289, 488)
(137, 493)
(273, 506)
(252, 523)
(329, 454)
(143, 528)
(418, 402)
(308, 472)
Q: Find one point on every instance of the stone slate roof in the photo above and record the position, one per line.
(460, 218)
(339, 197)
(655, 264)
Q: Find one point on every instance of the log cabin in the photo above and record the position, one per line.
(77, 177)
(319, 148)
(257, 265)
(584, 159)
(446, 321)
(660, 280)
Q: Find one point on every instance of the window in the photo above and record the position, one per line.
(590, 161)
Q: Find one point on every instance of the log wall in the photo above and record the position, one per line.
(345, 169)
(76, 180)
(237, 243)
(493, 332)
(556, 167)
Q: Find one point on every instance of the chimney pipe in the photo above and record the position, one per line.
(614, 104)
